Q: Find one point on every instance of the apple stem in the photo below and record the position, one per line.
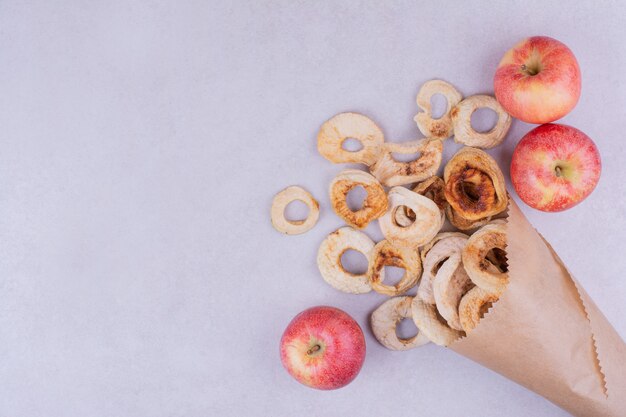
(313, 349)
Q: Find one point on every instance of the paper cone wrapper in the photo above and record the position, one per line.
(546, 333)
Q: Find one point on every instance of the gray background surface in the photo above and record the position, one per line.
(141, 145)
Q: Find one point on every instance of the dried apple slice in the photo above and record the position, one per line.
(434, 327)
(450, 284)
(280, 202)
(464, 132)
(484, 257)
(374, 206)
(434, 256)
(442, 127)
(344, 126)
(387, 254)
(385, 320)
(391, 172)
(473, 307)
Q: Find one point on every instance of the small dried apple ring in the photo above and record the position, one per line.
(462, 121)
(484, 257)
(462, 223)
(344, 126)
(434, 327)
(475, 186)
(427, 222)
(391, 172)
(436, 128)
(431, 188)
(374, 206)
(473, 307)
(387, 254)
(280, 202)
(329, 260)
(434, 256)
(385, 320)
(450, 284)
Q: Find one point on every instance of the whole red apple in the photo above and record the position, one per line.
(538, 80)
(323, 347)
(554, 167)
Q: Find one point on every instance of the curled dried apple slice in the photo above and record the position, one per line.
(442, 127)
(462, 121)
(385, 319)
(391, 172)
(475, 186)
(484, 257)
(345, 126)
(434, 327)
(431, 188)
(374, 205)
(462, 223)
(329, 260)
(427, 222)
(387, 254)
(473, 307)
(280, 202)
(450, 284)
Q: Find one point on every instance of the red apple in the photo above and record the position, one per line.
(538, 80)
(554, 167)
(323, 347)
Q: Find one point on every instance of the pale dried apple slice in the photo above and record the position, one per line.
(385, 320)
(442, 127)
(484, 257)
(387, 254)
(428, 220)
(329, 260)
(374, 206)
(432, 188)
(344, 126)
(450, 284)
(280, 202)
(434, 327)
(473, 307)
(391, 172)
(434, 256)
(464, 132)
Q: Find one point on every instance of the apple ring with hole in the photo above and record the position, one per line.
(391, 172)
(374, 205)
(344, 126)
(441, 128)
(385, 319)
(484, 257)
(449, 286)
(474, 305)
(387, 254)
(280, 203)
(462, 121)
(329, 260)
(427, 222)
(434, 256)
(431, 188)
(462, 223)
(434, 327)
(475, 186)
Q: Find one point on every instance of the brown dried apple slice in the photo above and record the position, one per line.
(462, 223)
(385, 319)
(344, 126)
(280, 202)
(436, 128)
(391, 172)
(473, 307)
(329, 260)
(464, 132)
(387, 254)
(374, 206)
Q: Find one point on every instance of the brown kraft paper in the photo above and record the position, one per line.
(546, 333)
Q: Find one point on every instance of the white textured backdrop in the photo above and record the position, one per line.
(141, 144)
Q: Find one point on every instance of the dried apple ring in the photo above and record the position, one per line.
(385, 320)
(387, 254)
(344, 126)
(374, 206)
(462, 121)
(431, 188)
(436, 128)
(427, 222)
(475, 186)
(391, 172)
(473, 307)
(434, 327)
(280, 202)
(484, 257)
(434, 255)
(462, 223)
(450, 284)
(329, 260)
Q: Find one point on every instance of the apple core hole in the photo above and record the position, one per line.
(405, 157)
(356, 197)
(438, 106)
(351, 145)
(354, 262)
(483, 119)
(296, 211)
(408, 214)
(393, 274)
(469, 189)
(406, 329)
(497, 257)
